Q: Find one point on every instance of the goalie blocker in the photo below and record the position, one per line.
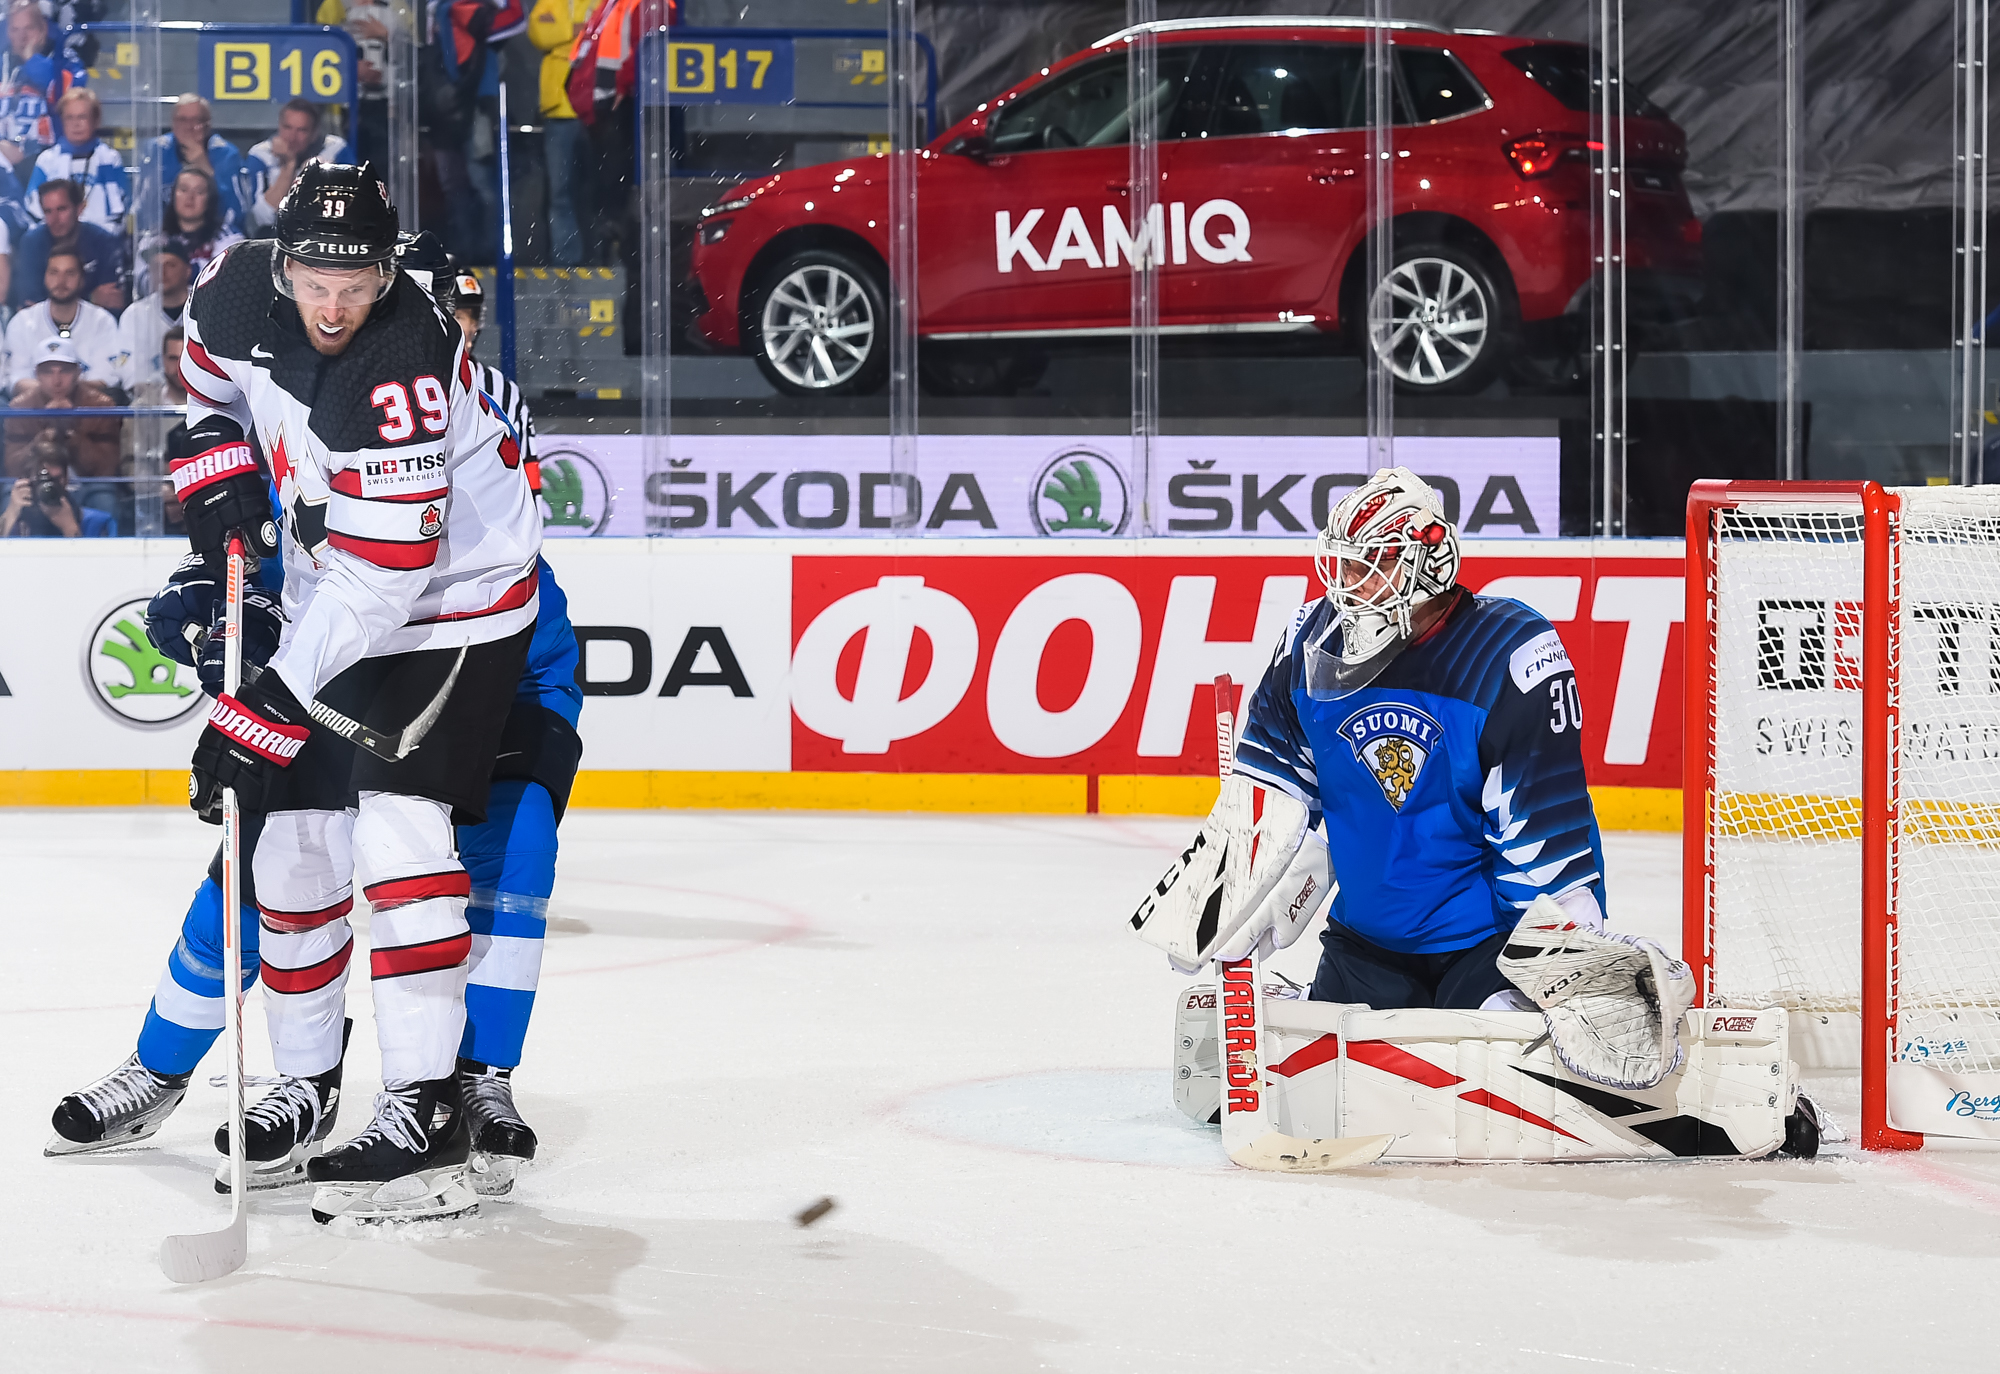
(1487, 1087)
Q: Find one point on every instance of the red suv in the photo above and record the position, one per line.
(1025, 236)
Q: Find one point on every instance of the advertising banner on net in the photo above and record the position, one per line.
(966, 657)
(1026, 486)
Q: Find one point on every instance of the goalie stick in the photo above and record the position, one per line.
(1249, 1118)
(211, 1254)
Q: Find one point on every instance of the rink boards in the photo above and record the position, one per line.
(967, 675)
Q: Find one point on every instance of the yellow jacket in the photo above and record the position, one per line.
(553, 26)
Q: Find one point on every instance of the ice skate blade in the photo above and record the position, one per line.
(492, 1175)
(1286, 1154)
(268, 1175)
(427, 1195)
(62, 1145)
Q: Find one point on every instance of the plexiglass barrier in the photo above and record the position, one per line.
(1104, 269)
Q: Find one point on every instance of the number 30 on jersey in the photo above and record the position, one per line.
(394, 401)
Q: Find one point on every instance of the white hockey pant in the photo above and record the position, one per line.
(417, 892)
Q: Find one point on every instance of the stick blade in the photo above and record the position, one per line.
(1274, 1152)
(209, 1255)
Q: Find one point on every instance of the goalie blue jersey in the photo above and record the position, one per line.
(1451, 787)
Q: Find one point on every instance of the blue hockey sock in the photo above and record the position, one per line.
(187, 1012)
(511, 858)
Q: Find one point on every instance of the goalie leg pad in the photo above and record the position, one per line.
(1486, 1087)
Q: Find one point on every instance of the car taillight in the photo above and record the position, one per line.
(1538, 154)
(1691, 231)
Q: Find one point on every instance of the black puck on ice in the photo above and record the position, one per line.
(814, 1212)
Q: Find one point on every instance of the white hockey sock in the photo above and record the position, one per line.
(305, 867)
(421, 942)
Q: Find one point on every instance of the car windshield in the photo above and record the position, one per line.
(1086, 108)
(1567, 72)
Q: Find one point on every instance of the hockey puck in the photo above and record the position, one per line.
(814, 1212)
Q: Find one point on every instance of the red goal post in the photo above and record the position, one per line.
(1842, 780)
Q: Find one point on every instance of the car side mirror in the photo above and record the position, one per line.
(975, 146)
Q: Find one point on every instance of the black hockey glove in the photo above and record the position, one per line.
(184, 616)
(179, 616)
(263, 623)
(247, 739)
(221, 488)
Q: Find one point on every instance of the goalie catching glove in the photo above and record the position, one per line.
(248, 737)
(1613, 1003)
(1257, 868)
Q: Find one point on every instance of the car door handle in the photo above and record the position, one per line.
(1123, 188)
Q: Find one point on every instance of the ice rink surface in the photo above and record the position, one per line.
(941, 1023)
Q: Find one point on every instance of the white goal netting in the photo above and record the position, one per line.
(1786, 837)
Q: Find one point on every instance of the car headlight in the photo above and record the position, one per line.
(725, 207)
(714, 230)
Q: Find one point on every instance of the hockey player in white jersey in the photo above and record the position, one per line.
(410, 578)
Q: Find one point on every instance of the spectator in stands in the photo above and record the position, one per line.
(147, 321)
(553, 26)
(194, 213)
(301, 138)
(90, 330)
(164, 386)
(31, 75)
(101, 252)
(38, 504)
(370, 24)
(80, 157)
(192, 144)
(56, 382)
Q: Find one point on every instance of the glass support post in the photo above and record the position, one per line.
(1970, 22)
(1609, 354)
(1379, 317)
(149, 431)
(905, 152)
(1791, 332)
(1142, 76)
(399, 80)
(656, 376)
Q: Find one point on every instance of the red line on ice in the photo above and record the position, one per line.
(535, 1352)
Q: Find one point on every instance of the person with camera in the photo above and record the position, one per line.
(39, 506)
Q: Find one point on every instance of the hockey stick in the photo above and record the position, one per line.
(399, 745)
(1249, 1116)
(211, 1254)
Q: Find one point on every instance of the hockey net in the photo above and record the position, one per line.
(1804, 656)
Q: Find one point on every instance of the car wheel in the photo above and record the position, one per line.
(1437, 320)
(819, 325)
(948, 369)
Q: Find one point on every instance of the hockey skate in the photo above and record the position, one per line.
(407, 1165)
(500, 1142)
(124, 1107)
(285, 1127)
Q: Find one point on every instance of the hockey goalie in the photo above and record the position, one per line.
(1422, 745)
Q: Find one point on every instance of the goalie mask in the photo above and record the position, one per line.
(1386, 549)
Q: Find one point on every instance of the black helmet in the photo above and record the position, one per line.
(465, 293)
(336, 217)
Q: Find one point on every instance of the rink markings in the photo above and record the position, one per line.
(394, 1338)
(798, 925)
